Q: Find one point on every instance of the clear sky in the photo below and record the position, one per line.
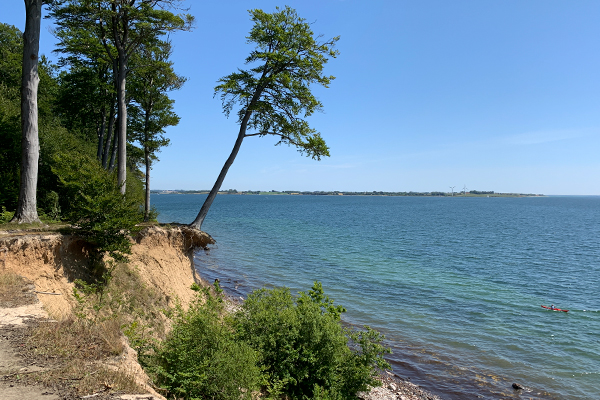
(494, 95)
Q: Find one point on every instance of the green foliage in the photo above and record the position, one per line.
(87, 28)
(195, 287)
(101, 214)
(359, 368)
(85, 93)
(152, 110)
(10, 114)
(50, 205)
(304, 349)
(202, 358)
(297, 344)
(5, 216)
(11, 53)
(10, 156)
(90, 295)
(275, 96)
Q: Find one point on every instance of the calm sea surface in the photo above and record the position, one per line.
(455, 284)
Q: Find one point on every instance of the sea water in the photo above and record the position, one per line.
(454, 283)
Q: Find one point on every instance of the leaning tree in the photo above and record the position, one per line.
(275, 97)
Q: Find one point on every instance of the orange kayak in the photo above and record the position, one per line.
(554, 309)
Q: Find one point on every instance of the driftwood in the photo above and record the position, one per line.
(55, 294)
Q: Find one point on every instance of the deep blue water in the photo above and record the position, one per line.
(456, 284)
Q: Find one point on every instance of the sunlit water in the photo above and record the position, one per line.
(456, 284)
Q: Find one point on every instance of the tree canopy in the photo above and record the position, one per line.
(113, 31)
(152, 109)
(274, 97)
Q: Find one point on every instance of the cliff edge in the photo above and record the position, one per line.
(164, 258)
(37, 274)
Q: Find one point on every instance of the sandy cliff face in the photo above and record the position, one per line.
(52, 261)
(165, 260)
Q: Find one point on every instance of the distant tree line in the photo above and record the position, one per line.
(344, 193)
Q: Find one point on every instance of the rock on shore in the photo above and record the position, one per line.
(396, 389)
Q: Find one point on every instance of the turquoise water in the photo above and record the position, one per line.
(456, 284)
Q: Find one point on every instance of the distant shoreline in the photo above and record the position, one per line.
(473, 193)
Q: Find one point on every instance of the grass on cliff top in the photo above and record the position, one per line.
(48, 225)
(81, 350)
(45, 226)
(15, 290)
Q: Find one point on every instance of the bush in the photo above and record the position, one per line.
(5, 216)
(296, 348)
(100, 213)
(304, 349)
(201, 358)
(50, 205)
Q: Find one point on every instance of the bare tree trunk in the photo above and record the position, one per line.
(109, 140)
(148, 112)
(30, 146)
(213, 192)
(197, 223)
(101, 134)
(122, 125)
(147, 202)
(113, 154)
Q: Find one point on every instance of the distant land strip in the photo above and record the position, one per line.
(472, 193)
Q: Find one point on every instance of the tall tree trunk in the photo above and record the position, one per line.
(215, 189)
(101, 134)
(109, 139)
(122, 124)
(147, 202)
(148, 112)
(113, 154)
(197, 223)
(30, 146)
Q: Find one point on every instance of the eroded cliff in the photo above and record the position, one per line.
(163, 257)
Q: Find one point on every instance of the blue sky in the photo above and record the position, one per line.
(494, 95)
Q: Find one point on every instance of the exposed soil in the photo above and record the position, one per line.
(27, 375)
(18, 304)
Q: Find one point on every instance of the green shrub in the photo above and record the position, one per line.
(304, 350)
(201, 358)
(361, 365)
(50, 205)
(100, 213)
(5, 216)
(295, 347)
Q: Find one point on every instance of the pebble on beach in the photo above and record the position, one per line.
(396, 389)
